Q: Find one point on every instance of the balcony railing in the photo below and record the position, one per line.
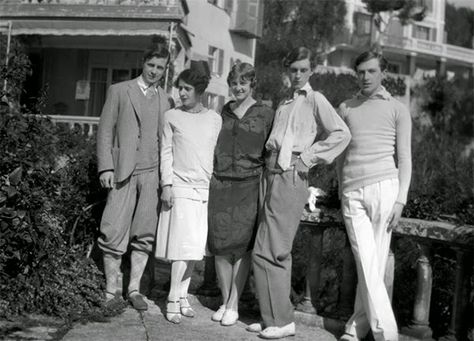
(86, 124)
(430, 47)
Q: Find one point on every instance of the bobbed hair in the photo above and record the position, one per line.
(299, 53)
(368, 55)
(195, 77)
(243, 72)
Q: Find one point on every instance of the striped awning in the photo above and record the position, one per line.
(107, 27)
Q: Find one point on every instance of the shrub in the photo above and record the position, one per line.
(47, 178)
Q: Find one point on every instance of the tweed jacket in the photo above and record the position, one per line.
(119, 131)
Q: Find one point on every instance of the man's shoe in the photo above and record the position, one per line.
(348, 337)
(137, 301)
(113, 301)
(271, 333)
(255, 327)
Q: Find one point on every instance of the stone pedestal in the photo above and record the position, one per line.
(419, 327)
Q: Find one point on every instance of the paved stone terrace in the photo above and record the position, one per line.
(152, 325)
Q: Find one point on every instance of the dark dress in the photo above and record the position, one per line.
(233, 192)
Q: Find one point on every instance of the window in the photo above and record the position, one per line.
(216, 61)
(426, 3)
(362, 23)
(423, 32)
(100, 79)
(120, 75)
(98, 90)
(213, 101)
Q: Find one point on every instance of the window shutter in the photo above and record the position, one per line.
(221, 62)
(228, 6)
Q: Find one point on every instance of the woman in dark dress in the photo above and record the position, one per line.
(234, 188)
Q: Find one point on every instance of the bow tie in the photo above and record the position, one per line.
(299, 93)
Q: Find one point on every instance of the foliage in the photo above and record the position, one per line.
(459, 25)
(289, 24)
(47, 177)
(18, 69)
(449, 104)
(395, 85)
(383, 11)
(405, 10)
(335, 87)
(44, 186)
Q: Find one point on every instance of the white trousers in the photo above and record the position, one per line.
(366, 212)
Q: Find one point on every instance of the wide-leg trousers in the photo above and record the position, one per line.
(366, 212)
(283, 196)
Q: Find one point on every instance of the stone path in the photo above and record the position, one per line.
(152, 326)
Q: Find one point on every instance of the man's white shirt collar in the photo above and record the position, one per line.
(144, 87)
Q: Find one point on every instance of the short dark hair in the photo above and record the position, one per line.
(156, 51)
(299, 53)
(368, 55)
(194, 77)
(242, 71)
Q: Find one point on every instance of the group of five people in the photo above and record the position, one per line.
(187, 182)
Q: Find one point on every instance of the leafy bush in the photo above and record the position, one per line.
(47, 178)
(335, 87)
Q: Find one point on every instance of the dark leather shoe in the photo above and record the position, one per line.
(137, 301)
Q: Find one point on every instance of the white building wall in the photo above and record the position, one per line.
(208, 25)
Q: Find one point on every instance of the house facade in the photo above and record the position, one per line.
(78, 48)
(414, 49)
(221, 32)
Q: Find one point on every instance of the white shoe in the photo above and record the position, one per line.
(278, 332)
(230, 318)
(348, 337)
(217, 316)
(255, 327)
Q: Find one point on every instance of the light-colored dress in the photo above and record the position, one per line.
(187, 142)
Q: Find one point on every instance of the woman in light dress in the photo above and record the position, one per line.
(188, 137)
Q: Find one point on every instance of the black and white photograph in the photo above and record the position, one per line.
(200, 170)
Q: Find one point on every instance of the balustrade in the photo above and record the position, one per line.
(426, 233)
(86, 124)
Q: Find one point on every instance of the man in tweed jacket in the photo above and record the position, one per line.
(128, 162)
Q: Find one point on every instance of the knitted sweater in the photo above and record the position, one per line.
(147, 153)
(380, 148)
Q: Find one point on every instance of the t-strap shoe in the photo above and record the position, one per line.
(185, 307)
(173, 313)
